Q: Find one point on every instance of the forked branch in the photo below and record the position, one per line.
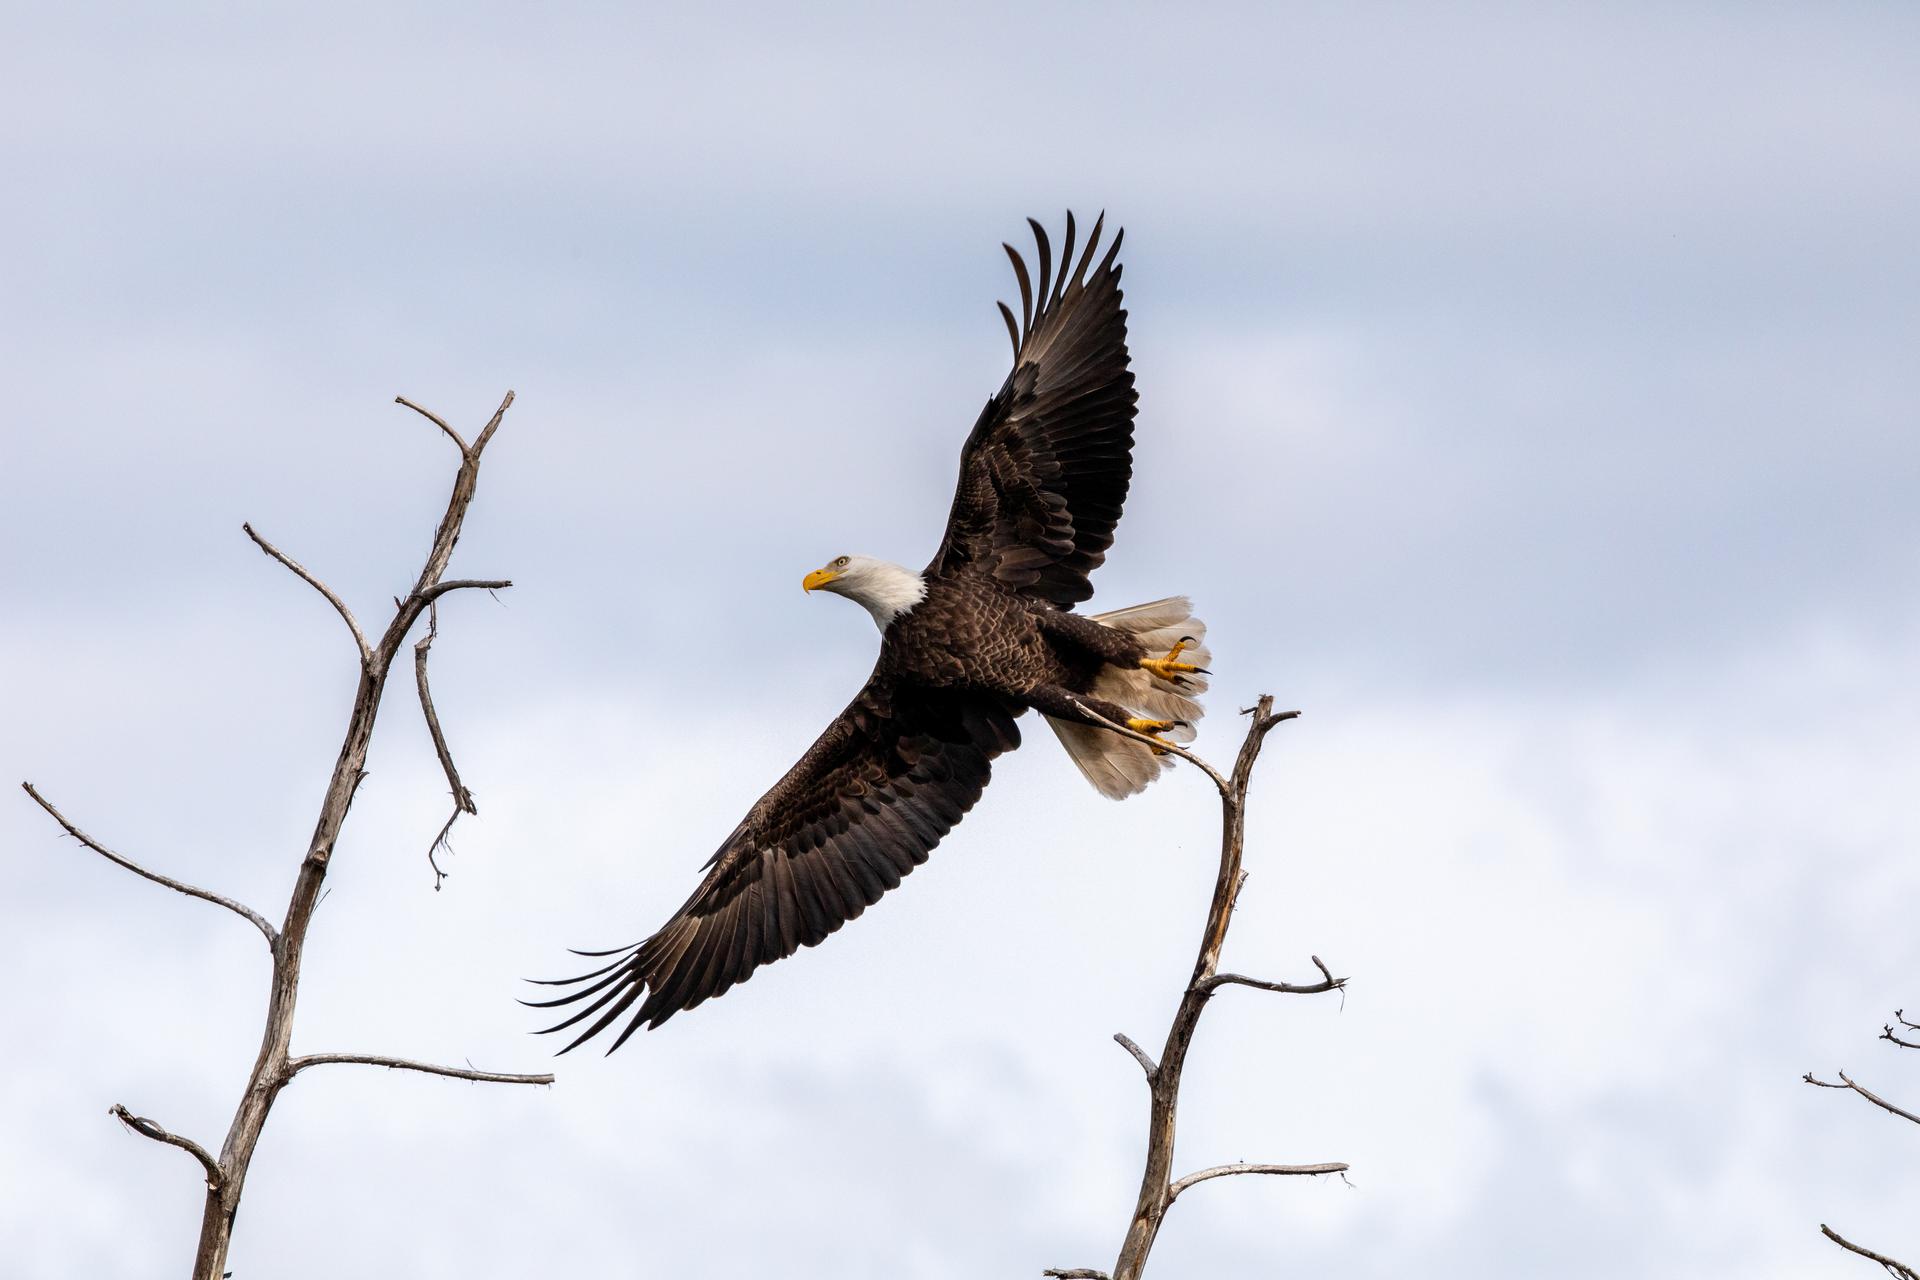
(1846, 1082)
(1158, 1189)
(1327, 982)
(274, 1067)
(1900, 1270)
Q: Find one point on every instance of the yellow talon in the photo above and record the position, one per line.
(1152, 728)
(1170, 668)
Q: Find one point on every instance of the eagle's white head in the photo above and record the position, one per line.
(885, 590)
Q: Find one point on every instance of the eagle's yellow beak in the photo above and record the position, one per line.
(818, 578)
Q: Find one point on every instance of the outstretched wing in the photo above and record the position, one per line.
(862, 808)
(1045, 471)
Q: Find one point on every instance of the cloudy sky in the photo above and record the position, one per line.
(1526, 394)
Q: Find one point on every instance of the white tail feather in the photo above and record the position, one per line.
(1119, 767)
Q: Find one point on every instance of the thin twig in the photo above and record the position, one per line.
(1898, 1269)
(464, 584)
(245, 912)
(296, 1065)
(1166, 748)
(1330, 983)
(1227, 1170)
(1900, 1016)
(493, 425)
(1075, 1273)
(340, 606)
(148, 1129)
(1140, 1055)
(462, 798)
(436, 420)
(1868, 1094)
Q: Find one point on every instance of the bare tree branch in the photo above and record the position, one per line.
(1075, 1273)
(493, 425)
(1897, 1269)
(1847, 1083)
(1164, 748)
(340, 606)
(1140, 1055)
(1228, 1170)
(274, 1067)
(462, 798)
(1329, 982)
(1157, 1188)
(436, 420)
(148, 1129)
(1900, 1016)
(245, 912)
(296, 1065)
(433, 593)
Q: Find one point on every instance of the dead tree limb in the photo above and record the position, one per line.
(1846, 1082)
(275, 1067)
(296, 1065)
(462, 798)
(1158, 1187)
(1899, 1270)
(1226, 1170)
(339, 605)
(245, 912)
(148, 1129)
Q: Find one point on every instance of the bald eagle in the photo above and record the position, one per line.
(985, 632)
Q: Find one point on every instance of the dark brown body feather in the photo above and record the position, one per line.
(1043, 477)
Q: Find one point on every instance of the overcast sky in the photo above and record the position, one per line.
(1526, 394)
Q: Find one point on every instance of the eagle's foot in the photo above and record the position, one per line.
(1153, 728)
(1170, 668)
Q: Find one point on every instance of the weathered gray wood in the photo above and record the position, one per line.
(1158, 1188)
(273, 1068)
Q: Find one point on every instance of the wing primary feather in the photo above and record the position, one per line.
(1046, 261)
(1013, 330)
(1093, 243)
(572, 996)
(623, 953)
(625, 1002)
(1026, 290)
(616, 993)
(1066, 261)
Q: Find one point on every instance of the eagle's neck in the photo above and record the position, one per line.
(884, 590)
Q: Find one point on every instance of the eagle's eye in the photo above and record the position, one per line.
(841, 563)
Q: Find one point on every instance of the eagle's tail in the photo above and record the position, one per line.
(1117, 766)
